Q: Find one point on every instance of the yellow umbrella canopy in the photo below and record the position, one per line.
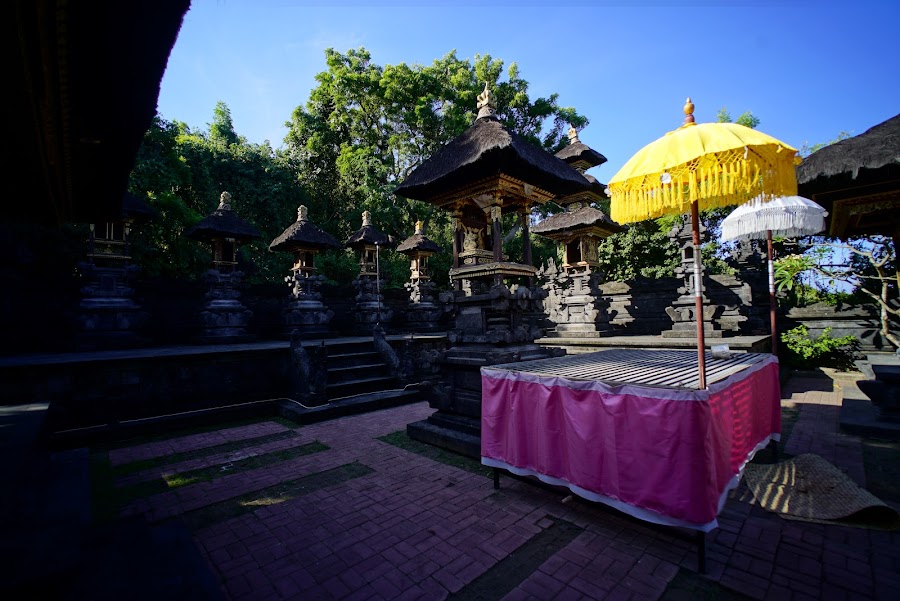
(714, 164)
(701, 167)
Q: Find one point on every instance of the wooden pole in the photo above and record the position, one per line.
(698, 297)
(772, 305)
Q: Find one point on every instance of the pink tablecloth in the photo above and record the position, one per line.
(667, 456)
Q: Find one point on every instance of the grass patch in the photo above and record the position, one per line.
(402, 440)
(208, 474)
(882, 463)
(273, 495)
(690, 585)
(146, 464)
(107, 499)
(201, 429)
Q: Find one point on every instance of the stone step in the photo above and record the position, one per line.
(350, 359)
(344, 348)
(350, 405)
(356, 386)
(355, 372)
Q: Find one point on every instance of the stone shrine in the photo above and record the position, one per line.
(305, 311)
(574, 300)
(682, 311)
(224, 318)
(108, 315)
(369, 310)
(424, 309)
(485, 175)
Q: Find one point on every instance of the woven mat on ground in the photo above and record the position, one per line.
(809, 488)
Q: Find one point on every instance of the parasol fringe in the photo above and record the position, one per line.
(719, 180)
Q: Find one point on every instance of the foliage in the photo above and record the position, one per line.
(806, 149)
(747, 119)
(183, 172)
(805, 352)
(366, 127)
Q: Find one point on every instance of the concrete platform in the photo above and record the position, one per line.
(745, 344)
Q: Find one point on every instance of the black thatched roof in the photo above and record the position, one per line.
(86, 77)
(877, 147)
(577, 219)
(367, 234)
(418, 242)
(487, 148)
(223, 223)
(302, 233)
(136, 208)
(579, 151)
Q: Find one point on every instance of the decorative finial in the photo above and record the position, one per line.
(486, 105)
(573, 135)
(302, 213)
(367, 218)
(224, 202)
(420, 228)
(688, 112)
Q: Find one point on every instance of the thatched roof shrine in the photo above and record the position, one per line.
(303, 234)
(586, 220)
(367, 235)
(418, 242)
(223, 223)
(578, 154)
(857, 181)
(485, 152)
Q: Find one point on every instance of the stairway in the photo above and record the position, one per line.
(358, 381)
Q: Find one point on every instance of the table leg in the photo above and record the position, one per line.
(496, 477)
(701, 552)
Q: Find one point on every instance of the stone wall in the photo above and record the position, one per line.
(862, 322)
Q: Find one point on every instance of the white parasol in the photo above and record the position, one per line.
(785, 216)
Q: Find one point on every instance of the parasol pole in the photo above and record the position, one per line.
(772, 307)
(698, 297)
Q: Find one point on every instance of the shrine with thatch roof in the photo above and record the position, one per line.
(424, 310)
(574, 300)
(369, 310)
(483, 175)
(224, 317)
(305, 311)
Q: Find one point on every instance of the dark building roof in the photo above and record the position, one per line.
(303, 233)
(223, 223)
(487, 148)
(418, 242)
(585, 217)
(877, 147)
(367, 234)
(136, 208)
(579, 152)
(857, 181)
(86, 79)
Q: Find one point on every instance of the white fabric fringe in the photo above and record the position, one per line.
(786, 216)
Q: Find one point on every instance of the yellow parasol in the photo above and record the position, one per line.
(701, 166)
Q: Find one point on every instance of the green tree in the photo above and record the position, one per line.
(365, 128)
(221, 130)
(747, 119)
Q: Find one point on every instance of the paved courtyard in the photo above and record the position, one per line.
(331, 511)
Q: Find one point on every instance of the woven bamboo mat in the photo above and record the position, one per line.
(809, 488)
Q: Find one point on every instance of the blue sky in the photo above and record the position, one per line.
(808, 69)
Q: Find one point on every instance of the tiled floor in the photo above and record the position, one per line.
(402, 526)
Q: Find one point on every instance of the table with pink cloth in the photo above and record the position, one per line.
(627, 427)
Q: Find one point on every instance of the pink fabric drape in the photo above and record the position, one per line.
(665, 452)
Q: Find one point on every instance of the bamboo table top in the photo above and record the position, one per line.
(642, 367)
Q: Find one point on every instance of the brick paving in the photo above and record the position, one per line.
(414, 528)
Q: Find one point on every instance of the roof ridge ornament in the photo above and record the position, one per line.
(366, 218)
(487, 107)
(573, 135)
(420, 227)
(688, 113)
(224, 202)
(302, 214)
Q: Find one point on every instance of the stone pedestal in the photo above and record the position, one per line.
(224, 318)
(305, 312)
(369, 309)
(489, 329)
(575, 302)
(424, 311)
(108, 316)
